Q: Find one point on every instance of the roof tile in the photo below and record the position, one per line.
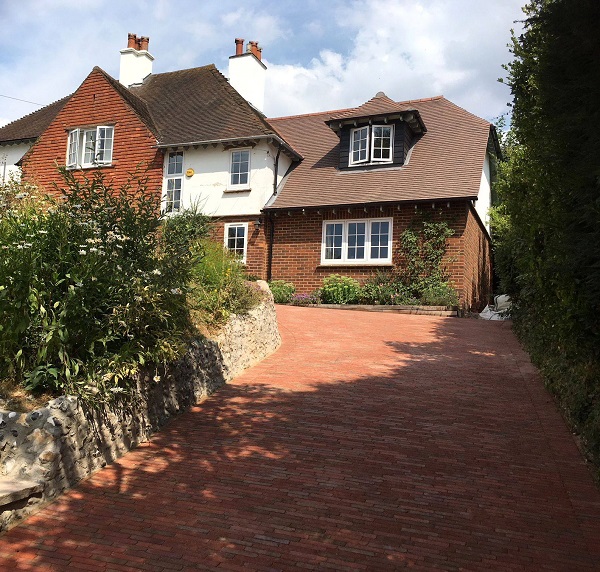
(445, 163)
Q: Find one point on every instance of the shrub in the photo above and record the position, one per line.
(305, 299)
(218, 287)
(386, 288)
(282, 291)
(340, 290)
(439, 295)
(86, 295)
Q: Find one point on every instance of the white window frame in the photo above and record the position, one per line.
(367, 260)
(369, 160)
(172, 177)
(243, 225)
(77, 149)
(238, 186)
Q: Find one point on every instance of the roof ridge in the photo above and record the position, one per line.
(434, 98)
(438, 97)
(311, 114)
(207, 66)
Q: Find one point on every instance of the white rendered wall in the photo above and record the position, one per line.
(134, 66)
(208, 187)
(9, 155)
(247, 75)
(484, 198)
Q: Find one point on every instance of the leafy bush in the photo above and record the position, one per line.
(282, 291)
(86, 294)
(218, 287)
(386, 288)
(305, 299)
(420, 254)
(340, 290)
(439, 295)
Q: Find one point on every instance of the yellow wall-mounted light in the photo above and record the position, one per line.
(189, 173)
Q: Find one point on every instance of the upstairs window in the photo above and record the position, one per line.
(371, 144)
(239, 176)
(174, 182)
(90, 147)
(365, 241)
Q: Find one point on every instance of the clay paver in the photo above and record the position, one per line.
(367, 442)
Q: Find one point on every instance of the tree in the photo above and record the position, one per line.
(548, 250)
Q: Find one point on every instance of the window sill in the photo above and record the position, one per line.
(240, 190)
(87, 168)
(353, 264)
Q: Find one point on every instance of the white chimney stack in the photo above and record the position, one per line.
(247, 73)
(136, 61)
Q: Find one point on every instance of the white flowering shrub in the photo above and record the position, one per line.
(90, 287)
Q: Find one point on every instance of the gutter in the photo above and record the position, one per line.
(439, 200)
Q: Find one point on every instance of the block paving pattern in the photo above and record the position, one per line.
(367, 442)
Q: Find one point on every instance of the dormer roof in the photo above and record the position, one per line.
(378, 108)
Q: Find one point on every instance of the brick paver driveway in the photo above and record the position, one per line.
(367, 442)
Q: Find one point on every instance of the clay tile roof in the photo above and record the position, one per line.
(138, 104)
(33, 125)
(199, 105)
(445, 163)
(378, 105)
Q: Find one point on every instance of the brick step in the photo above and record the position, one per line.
(15, 490)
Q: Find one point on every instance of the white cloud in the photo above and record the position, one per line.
(321, 55)
(409, 50)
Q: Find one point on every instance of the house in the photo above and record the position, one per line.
(366, 174)
(297, 198)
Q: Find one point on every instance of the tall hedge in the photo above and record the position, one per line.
(548, 242)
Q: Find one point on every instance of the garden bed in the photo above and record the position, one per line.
(449, 311)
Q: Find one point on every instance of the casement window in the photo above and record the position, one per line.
(239, 172)
(371, 144)
(236, 239)
(90, 147)
(364, 241)
(174, 182)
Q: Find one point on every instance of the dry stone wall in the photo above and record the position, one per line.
(45, 452)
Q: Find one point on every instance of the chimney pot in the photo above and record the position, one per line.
(131, 40)
(239, 46)
(144, 41)
(255, 50)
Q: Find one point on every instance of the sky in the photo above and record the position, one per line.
(320, 54)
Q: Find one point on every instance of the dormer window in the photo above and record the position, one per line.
(371, 144)
(90, 147)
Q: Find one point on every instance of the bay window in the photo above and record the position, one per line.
(365, 241)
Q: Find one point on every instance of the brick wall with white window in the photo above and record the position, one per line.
(255, 240)
(95, 105)
(300, 242)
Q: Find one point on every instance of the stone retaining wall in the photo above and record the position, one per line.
(45, 452)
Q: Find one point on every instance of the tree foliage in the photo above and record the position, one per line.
(547, 229)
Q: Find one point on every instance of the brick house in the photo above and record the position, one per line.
(296, 197)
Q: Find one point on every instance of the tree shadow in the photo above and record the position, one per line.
(434, 453)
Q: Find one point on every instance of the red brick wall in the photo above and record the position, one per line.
(256, 255)
(297, 247)
(96, 103)
(477, 266)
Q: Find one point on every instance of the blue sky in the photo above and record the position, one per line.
(326, 54)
